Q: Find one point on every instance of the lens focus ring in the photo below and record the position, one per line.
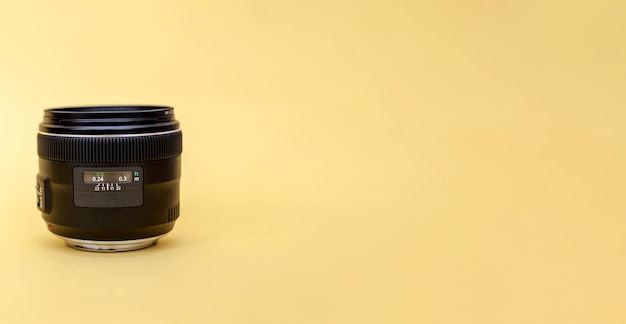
(146, 147)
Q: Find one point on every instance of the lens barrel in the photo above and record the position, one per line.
(109, 176)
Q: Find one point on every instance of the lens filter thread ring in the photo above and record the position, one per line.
(109, 120)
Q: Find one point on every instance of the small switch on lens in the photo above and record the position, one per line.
(43, 194)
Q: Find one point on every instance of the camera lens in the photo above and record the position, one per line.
(109, 176)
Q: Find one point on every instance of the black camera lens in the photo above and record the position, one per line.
(109, 176)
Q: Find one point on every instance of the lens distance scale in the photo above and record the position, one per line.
(108, 187)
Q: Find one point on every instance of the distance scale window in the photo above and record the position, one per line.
(112, 180)
(108, 187)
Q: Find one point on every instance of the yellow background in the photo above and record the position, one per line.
(344, 161)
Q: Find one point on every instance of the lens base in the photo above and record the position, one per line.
(110, 246)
